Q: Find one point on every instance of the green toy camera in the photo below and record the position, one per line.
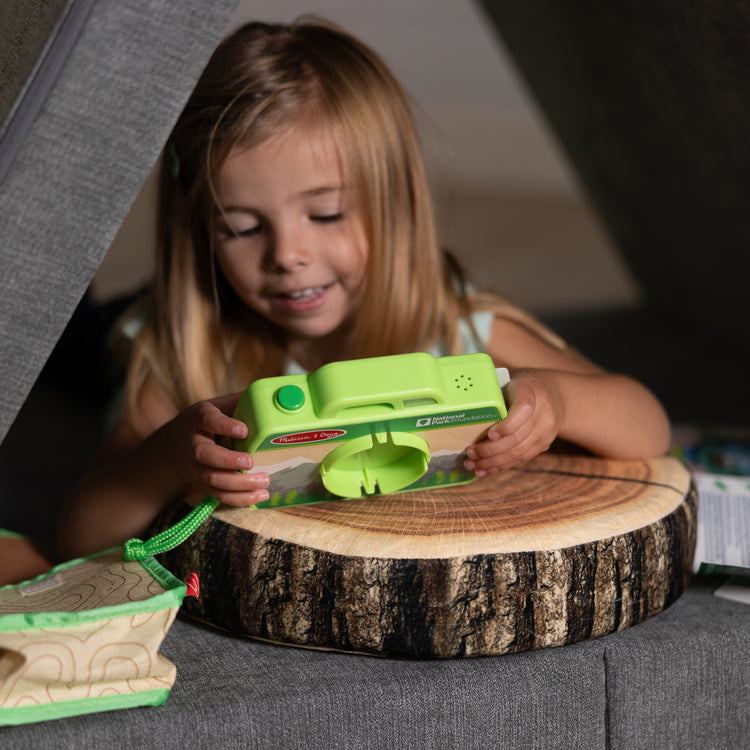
(370, 426)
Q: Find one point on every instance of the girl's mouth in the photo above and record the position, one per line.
(304, 300)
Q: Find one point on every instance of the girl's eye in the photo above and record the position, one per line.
(328, 218)
(249, 232)
(231, 233)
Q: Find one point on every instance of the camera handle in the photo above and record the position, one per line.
(362, 383)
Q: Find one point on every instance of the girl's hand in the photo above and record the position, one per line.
(197, 458)
(532, 424)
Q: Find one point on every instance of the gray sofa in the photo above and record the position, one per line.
(69, 173)
(678, 680)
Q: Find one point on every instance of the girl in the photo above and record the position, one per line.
(296, 229)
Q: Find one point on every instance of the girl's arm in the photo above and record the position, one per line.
(154, 457)
(554, 394)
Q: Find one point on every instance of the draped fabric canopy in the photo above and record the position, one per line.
(89, 92)
(650, 101)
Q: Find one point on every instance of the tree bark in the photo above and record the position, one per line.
(562, 549)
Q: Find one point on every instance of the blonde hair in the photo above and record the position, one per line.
(198, 337)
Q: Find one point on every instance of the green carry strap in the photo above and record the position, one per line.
(135, 549)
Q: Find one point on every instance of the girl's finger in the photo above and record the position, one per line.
(227, 404)
(242, 499)
(233, 481)
(213, 421)
(502, 444)
(517, 454)
(209, 453)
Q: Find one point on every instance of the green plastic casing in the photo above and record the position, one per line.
(370, 425)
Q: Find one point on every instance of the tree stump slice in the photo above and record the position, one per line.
(564, 548)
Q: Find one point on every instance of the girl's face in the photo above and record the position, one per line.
(291, 240)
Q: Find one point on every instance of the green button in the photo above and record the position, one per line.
(290, 397)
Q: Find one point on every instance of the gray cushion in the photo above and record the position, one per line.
(679, 680)
(683, 679)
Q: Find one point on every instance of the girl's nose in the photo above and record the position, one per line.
(287, 252)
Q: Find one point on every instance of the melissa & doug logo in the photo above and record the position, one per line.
(310, 436)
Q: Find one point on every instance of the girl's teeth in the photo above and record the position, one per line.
(306, 293)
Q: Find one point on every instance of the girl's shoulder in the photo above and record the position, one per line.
(474, 333)
(477, 329)
(516, 336)
(492, 310)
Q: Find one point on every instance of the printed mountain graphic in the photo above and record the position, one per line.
(301, 475)
(443, 459)
(445, 467)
